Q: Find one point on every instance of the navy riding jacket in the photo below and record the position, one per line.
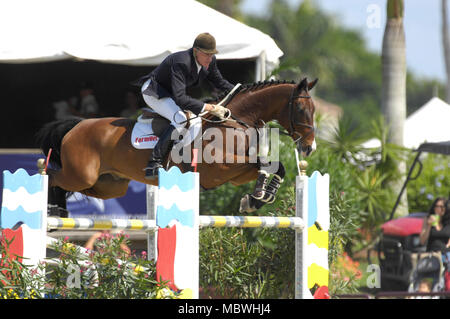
(178, 72)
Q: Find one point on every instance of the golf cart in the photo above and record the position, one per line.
(399, 239)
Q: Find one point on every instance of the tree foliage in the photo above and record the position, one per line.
(360, 199)
(315, 44)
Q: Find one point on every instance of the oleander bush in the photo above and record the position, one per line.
(108, 272)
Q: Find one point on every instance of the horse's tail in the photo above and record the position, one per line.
(50, 137)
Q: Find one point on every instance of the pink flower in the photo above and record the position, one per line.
(119, 234)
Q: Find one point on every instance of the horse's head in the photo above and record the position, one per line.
(301, 117)
(288, 103)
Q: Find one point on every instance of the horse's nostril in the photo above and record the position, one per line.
(308, 150)
(305, 150)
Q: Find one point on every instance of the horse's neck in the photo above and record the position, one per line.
(258, 105)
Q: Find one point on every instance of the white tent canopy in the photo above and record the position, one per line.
(132, 32)
(430, 123)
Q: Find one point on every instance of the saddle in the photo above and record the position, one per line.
(150, 125)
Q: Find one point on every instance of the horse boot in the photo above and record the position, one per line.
(274, 184)
(160, 151)
(272, 189)
(251, 202)
(260, 185)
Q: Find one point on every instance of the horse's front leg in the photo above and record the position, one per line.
(274, 184)
(265, 191)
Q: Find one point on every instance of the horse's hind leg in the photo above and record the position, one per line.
(59, 183)
(57, 204)
(108, 186)
(74, 181)
(79, 170)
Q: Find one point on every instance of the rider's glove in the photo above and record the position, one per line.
(219, 111)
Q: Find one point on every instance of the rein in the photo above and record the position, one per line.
(292, 122)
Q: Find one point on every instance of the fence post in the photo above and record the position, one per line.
(177, 218)
(151, 193)
(301, 238)
(311, 246)
(23, 215)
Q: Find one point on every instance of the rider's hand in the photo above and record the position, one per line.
(217, 110)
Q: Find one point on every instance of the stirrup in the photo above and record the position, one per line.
(151, 171)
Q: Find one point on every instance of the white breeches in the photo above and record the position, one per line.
(165, 107)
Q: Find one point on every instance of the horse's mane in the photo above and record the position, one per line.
(248, 87)
(262, 84)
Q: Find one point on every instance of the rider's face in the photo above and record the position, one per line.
(204, 59)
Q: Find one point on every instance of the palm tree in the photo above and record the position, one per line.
(393, 101)
(446, 46)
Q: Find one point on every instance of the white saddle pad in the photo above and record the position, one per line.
(142, 136)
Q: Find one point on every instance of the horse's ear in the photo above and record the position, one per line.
(303, 85)
(312, 84)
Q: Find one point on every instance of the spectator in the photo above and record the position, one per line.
(436, 233)
(425, 286)
(436, 226)
(64, 110)
(131, 105)
(88, 103)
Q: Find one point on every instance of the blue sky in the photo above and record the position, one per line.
(422, 23)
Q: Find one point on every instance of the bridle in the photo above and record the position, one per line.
(293, 123)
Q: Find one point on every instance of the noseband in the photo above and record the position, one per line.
(292, 122)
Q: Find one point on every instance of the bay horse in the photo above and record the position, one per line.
(95, 156)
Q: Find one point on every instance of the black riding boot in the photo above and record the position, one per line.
(159, 153)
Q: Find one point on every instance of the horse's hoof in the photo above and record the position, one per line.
(56, 211)
(246, 206)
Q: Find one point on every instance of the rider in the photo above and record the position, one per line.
(164, 90)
